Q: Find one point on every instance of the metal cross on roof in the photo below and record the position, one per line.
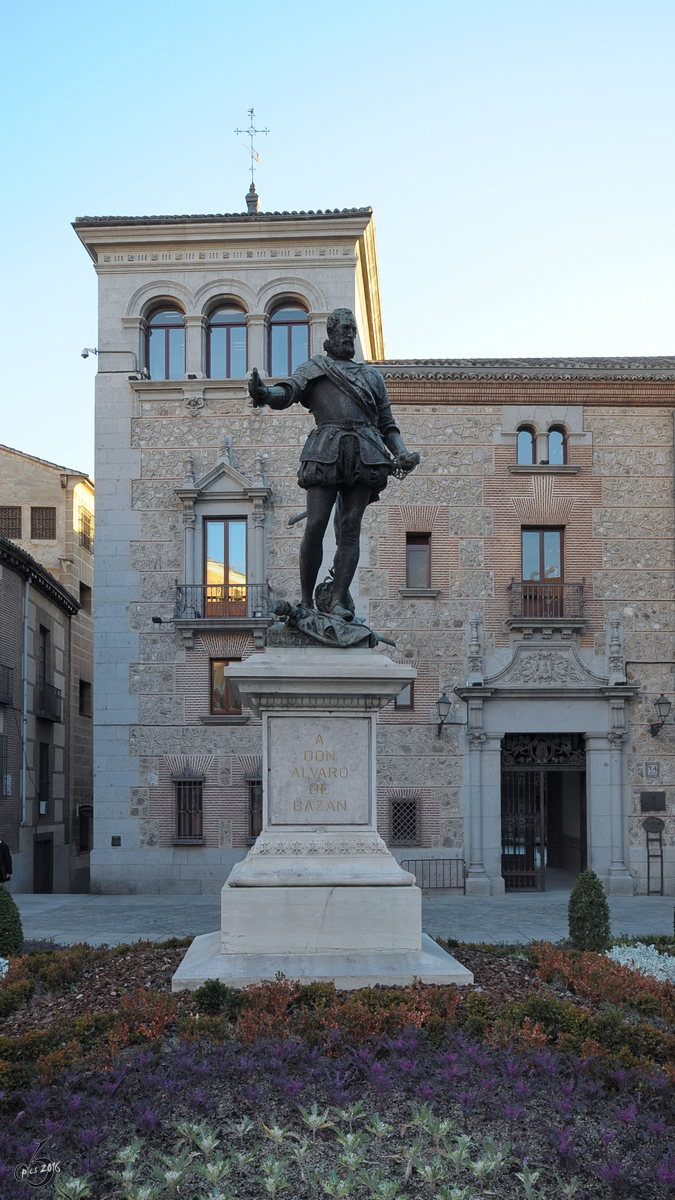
(251, 133)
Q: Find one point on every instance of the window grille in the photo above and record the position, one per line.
(86, 529)
(405, 821)
(10, 520)
(43, 524)
(189, 810)
(255, 807)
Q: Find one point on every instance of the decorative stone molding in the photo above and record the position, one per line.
(321, 845)
(475, 652)
(363, 703)
(544, 506)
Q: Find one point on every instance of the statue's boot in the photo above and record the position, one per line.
(339, 610)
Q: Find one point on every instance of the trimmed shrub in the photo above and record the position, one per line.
(588, 913)
(11, 929)
(212, 997)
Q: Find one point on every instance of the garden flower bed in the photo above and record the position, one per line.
(553, 1076)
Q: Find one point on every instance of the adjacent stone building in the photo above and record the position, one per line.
(47, 519)
(525, 569)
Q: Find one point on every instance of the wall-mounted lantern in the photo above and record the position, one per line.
(662, 706)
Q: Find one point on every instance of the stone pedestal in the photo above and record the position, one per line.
(319, 895)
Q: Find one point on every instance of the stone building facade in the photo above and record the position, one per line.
(37, 808)
(547, 761)
(47, 511)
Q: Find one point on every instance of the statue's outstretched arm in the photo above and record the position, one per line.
(279, 396)
(395, 443)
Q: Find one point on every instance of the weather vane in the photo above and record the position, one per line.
(251, 133)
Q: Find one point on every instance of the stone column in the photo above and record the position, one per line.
(541, 444)
(257, 325)
(477, 881)
(194, 345)
(317, 332)
(619, 879)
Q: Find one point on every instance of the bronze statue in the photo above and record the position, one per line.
(346, 461)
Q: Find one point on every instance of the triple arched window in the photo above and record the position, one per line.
(289, 339)
(165, 350)
(554, 447)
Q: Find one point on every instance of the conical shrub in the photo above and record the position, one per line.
(588, 913)
(11, 929)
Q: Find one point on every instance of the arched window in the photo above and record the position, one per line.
(557, 446)
(526, 446)
(289, 339)
(226, 353)
(166, 344)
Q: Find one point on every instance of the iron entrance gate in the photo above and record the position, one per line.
(530, 787)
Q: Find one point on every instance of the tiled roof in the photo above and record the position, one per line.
(211, 218)
(638, 368)
(47, 463)
(23, 562)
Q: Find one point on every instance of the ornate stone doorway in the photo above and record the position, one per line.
(543, 807)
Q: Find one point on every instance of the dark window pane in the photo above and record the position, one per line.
(167, 316)
(525, 449)
(255, 807)
(156, 361)
(531, 564)
(418, 557)
(279, 346)
(228, 316)
(237, 352)
(218, 364)
(299, 345)
(176, 353)
(291, 312)
(552, 554)
(556, 447)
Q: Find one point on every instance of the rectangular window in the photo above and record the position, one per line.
(406, 699)
(43, 777)
(85, 597)
(189, 810)
(85, 698)
(86, 529)
(255, 807)
(405, 822)
(5, 779)
(10, 520)
(542, 555)
(222, 702)
(43, 657)
(43, 524)
(86, 827)
(418, 560)
(225, 567)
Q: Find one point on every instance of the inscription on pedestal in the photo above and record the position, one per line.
(319, 771)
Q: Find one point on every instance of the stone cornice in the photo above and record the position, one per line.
(538, 370)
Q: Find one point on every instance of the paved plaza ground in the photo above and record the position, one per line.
(512, 918)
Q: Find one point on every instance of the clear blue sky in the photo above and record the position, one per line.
(518, 155)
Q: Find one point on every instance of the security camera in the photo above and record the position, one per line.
(89, 350)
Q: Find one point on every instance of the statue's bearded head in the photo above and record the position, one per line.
(341, 329)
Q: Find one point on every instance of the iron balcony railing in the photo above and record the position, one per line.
(6, 685)
(437, 872)
(210, 601)
(49, 707)
(546, 600)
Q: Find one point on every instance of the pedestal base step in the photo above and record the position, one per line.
(347, 970)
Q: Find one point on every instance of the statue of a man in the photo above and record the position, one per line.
(348, 458)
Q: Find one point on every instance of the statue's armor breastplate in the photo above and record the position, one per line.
(331, 405)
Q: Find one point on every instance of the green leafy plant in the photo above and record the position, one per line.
(588, 913)
(11, 929)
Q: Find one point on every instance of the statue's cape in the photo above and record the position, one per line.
(352, 378)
